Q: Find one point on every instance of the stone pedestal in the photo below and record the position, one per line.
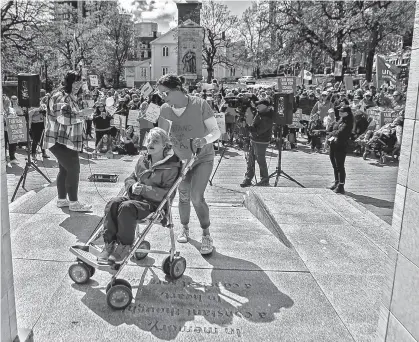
(400, 308)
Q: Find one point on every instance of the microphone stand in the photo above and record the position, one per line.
(29, 162)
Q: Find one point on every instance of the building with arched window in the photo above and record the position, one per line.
(165, 51)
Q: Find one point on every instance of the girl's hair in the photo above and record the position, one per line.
(159, 132)
(172, 82)
(71, 77)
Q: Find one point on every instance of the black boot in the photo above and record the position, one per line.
(246, 182)
(340, 189)
(334, 186)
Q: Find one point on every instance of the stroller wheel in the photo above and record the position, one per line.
(364, 156)
(166, 265)
(119, 297)
(142, 255)
(80, 273)
(177, 267)
(118, 282)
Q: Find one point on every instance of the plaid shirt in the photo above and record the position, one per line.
(69, 136)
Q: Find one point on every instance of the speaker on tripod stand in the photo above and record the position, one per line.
(28, 94)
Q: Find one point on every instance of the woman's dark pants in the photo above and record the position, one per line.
(121, 215)
(257, 153)
(337, 157)
(37, 129)
(69, 171)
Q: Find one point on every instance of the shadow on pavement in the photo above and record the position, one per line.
(371, 200)
(164, 307)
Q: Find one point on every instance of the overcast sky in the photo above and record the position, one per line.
(164, 12)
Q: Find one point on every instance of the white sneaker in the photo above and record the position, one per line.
(61, 203)
(206, 247)
(184, 236)
(77, 206)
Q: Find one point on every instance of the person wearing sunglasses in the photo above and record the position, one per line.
(191, 117)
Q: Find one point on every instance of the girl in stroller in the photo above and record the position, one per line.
(155, 173)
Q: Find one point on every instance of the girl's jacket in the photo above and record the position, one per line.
(342, 130)
(157, 179)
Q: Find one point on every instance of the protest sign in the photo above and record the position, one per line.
(349, 82)
(287, 85)
(146, 90)
(111, 110)
(90, 103)
(119, 121)
(338, 68)
(221, 122)
(388, 116)
(94, 82)
(298, 115)
(133, 118)
(153, 112)
(16, 129)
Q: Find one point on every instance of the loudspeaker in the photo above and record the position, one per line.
(283, 108)
(28, 90)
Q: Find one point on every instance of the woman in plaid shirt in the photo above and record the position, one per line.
(64, 138)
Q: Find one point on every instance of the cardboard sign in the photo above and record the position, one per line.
(119, 121)
(287, 84)
(298, 115)
(94, 81)
(146, 90)
(388, 116)
(153, 113)
(221, 122)
(16, 129)
(133, 118)
(349, 82)
(111, 110)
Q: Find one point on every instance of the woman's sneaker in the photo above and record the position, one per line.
(103, 257)
(77, 206)
(61, 203)
(206, 247)
(184, 236)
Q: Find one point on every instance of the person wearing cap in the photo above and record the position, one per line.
(338, 136)
(192, 118)
(322, 105)
(367, 101)
(64, 138)
(260, 137)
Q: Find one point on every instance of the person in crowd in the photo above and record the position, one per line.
(338, 135)
(102, 121)
(36, 118)
(322, 105)
(64, 138)
(105, 144)
(155, 173)
(8, 112)
(315, 127)
(192, 118)
(130, 144)
(260, 137)
(397, 102)
(367, 101)
(145, 125)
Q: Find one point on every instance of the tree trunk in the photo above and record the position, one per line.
(210, 74)
(373, 42)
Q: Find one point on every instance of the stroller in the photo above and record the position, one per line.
(383, 146)
(119, 291)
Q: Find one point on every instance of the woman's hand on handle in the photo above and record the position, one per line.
(199, 142)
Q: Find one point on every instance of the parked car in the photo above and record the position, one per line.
(247, 80)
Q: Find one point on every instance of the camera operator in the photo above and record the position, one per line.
(260, 137)
(36, 123)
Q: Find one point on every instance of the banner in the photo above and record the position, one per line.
(382, 116)
(153, 113)
(146, 89)
(94, 82)
(287, 84)
(221, 122)
(16, 129)
(133, 118)
(385, 72)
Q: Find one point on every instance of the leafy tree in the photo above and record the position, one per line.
(218, 27)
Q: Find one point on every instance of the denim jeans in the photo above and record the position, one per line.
(121, 215)
(257, 152)
(69, 171)
(337, 158)
(192, 188)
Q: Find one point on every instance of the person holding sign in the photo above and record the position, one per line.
(64, 138)
(191, 117)
(102, 121)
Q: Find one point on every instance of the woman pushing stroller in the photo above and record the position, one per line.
(155, 173)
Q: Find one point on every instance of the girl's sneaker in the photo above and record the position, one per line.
(77, 206)
(206, 247)
(61, 203)
(103, 257)
(184, 236)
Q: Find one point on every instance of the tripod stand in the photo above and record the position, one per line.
(29, 162)
(278, 172)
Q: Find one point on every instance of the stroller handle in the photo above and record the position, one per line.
(192, 148)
